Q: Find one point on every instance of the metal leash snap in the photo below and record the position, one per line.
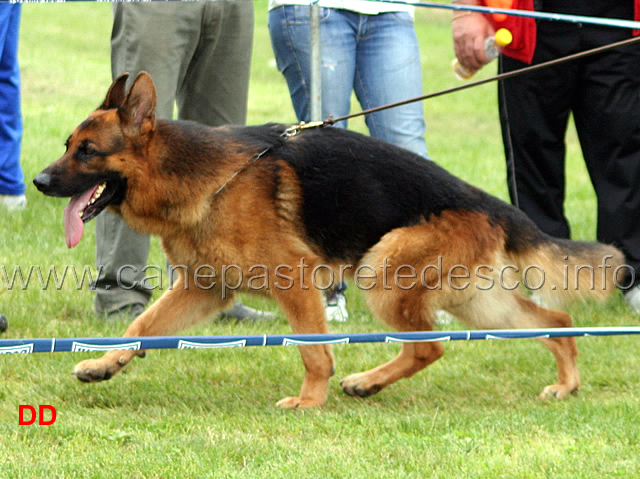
(291, 131)
(295, 129)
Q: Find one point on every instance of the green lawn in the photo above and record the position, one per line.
(212, 413)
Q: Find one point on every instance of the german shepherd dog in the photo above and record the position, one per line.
(332, 199)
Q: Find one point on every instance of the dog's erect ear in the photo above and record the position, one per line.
(138, 113)
(116, 94)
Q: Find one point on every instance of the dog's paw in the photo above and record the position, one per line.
(295, 402)
(557, 391)
(359, 385)
(94, 370)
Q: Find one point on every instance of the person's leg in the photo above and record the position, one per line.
(290, 38)
(534, 112)
(121, 257)
(11, 176)
(159, 38)
(215, 87)
(607, 117)
(388, 70)
(152, 37)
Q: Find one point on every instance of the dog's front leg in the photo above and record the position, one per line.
(305, 313)
(177, 309)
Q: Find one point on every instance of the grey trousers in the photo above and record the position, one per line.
(199, 55)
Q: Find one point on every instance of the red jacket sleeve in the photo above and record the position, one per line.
(523, 29)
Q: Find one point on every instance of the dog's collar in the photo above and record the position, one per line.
(289, 132)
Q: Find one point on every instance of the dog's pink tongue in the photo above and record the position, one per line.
(73, 224)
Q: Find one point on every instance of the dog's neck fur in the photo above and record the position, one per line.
(180, 152)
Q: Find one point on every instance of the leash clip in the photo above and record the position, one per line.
(295, 129)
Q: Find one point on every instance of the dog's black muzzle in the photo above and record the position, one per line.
(43, 182)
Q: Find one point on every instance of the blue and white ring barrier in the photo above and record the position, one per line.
(558, 17)
(60, 345)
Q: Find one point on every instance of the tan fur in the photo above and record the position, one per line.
(496, 307)
(573, 275)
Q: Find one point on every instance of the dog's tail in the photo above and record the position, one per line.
(560, 271)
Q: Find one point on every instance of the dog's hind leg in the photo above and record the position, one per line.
(564, 349)
(405, 311)
(305, 313)
(402, 302)
(177, 309)
(499, 308)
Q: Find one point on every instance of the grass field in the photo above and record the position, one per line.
(212, 413)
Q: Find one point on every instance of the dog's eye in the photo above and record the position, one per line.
(85, 151)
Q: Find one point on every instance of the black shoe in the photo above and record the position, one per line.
(4, 324)
(128, 312)
(241, 312)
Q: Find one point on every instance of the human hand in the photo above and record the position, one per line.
(469, 30)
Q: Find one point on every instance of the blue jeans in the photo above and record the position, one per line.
(11, 177)
(377, 56)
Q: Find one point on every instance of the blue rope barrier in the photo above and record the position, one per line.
(74, 345)
(559, 17)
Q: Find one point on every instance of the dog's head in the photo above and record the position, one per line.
(94, 170)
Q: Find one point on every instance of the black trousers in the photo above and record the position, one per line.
(603, 94)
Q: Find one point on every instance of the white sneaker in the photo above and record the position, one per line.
(13, 202)
(336, 307)
(539, 300)
(443, 318)
(632, 297)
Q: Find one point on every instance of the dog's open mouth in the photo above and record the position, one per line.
(82, 208)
